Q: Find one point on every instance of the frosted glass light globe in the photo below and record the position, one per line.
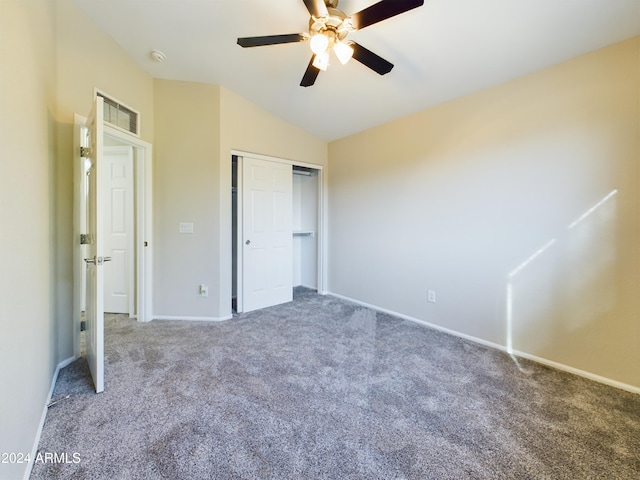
(319, 43)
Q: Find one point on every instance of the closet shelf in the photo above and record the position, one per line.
(303, 233)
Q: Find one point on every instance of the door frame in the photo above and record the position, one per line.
(321, 233)
(143, 185)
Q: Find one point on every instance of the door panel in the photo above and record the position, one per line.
(118, 277)
(281, 258)
(282, 212)
(259, 269)
(118, 235)
(267, 231)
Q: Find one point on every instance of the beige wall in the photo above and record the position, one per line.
(28, 355)
(249, 128)
(87, 58)
(518, 205)
(185, 176)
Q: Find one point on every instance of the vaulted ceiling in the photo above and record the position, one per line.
(442, 50)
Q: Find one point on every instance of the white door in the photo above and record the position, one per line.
(118, 233)
(267, 251)
(95, 256)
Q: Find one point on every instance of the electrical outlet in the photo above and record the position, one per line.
(204, 290)
(431, 296)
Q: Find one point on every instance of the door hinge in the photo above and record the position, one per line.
(85, 152)
(85, 239)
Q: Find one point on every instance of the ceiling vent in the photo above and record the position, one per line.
(120, 116)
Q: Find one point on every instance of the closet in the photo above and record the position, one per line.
(301, 265)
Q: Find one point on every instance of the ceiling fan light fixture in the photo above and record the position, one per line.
(319, 43)
(321, 61)
(343, 51)
(328, 29)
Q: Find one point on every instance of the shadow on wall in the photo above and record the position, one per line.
(566, 286)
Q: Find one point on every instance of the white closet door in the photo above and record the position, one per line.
(267, 244)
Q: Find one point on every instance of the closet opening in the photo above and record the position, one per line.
(305, 209)
(305, 227)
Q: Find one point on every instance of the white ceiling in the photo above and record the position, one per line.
(442, 50)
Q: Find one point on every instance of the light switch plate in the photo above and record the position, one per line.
(432, 296)
(186, 227)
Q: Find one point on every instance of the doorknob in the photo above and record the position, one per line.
(247, 242)
(97, 260)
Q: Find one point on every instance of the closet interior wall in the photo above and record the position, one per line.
(305, 228)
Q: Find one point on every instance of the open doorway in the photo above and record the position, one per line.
(305, 206)
(126, 213)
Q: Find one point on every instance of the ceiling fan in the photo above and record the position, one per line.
(328, 29)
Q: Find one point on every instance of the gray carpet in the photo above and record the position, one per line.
(324, 389)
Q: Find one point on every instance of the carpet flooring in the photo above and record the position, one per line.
(321, 388)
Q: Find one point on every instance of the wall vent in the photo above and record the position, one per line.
(119, 115)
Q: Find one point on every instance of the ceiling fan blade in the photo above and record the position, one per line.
(381, 11)
(370, 59)
(310, 75)
(272, 40)
(317, 8)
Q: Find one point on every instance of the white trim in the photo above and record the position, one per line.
(62, 364)
(269, 158)
(143, 165)
(192, 319)
(544, 361)
(43, 417)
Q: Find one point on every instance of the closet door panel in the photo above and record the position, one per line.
(267, 233)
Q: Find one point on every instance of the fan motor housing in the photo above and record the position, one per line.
(334, 22)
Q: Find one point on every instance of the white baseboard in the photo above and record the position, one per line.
(62, 364)
(192, 319)
(43, 417)
(528, 356)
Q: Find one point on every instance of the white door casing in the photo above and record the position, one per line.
(118, 234)
(143, 214)
(94, 251)
(267, 250)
